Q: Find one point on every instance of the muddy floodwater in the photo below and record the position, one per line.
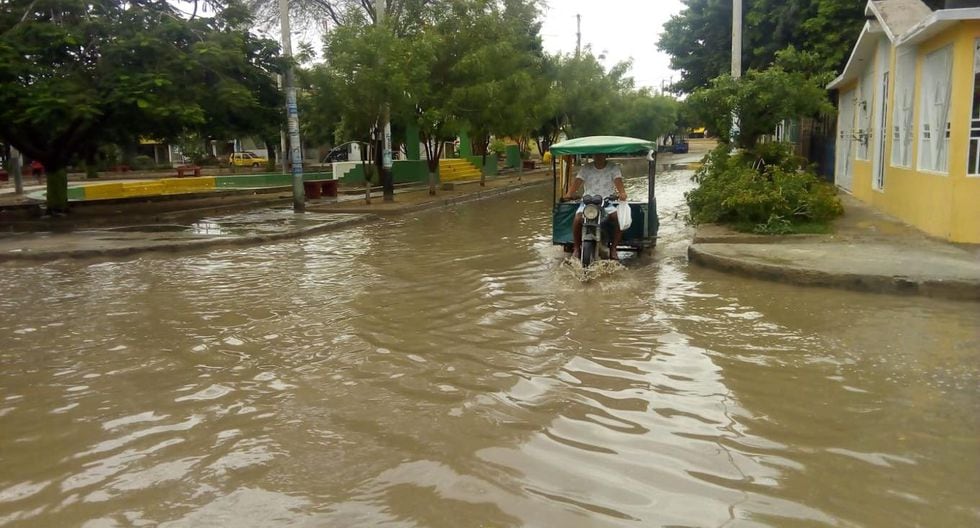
(443, 370)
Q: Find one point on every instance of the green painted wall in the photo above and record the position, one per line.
(465, 145)
(412, 147)
(354, 176)
(76, 193)
(491, 167)
(513, 153)
(410, 171)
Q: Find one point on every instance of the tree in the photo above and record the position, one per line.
(77, 74)
(368, 67)
(762, 98)
(498, 72)
(698, 38)
(589, 95)
(404, 16)
(647, 116)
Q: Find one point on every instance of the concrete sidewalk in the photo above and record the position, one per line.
(126, 226)
(868, 251)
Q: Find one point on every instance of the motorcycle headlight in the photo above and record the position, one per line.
(591, 212)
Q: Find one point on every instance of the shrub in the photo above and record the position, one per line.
(497, 146)
(768, 190)
(143, 163)
(210, 161)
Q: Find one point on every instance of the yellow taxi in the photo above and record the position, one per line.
(247, 159)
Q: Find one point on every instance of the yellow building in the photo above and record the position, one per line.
(908, 139)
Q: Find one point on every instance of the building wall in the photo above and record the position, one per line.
(965, 216)
(943, 205)
(845, 151)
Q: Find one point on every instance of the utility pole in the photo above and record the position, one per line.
(283, 144)
(736, 39)
(388, 188)
(578, 35)
(292, 112)
(736, 58)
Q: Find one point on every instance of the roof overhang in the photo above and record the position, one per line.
(936, 23)
(872, 10)
(863, 52)
(897, 16)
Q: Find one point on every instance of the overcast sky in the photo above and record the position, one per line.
(619, 28)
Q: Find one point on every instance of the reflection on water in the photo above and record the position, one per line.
(445, 370)
(205, 227)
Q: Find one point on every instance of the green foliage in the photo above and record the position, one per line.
(646, 116)
(474, 65)
(78, 75)
(143, 163)
(769, 189)
(368, 67)
(584, 98)
(497, 146)
(762, 99)
(500, 54)
(698, 39)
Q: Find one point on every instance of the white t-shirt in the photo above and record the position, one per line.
(600, 181)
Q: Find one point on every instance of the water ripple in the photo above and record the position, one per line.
(446, 369)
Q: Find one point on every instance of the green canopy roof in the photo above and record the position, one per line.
(602, 145)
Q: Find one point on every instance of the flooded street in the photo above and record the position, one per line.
(443, 370)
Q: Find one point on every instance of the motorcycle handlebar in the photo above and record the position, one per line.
(610, 198)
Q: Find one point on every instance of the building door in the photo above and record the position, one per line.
(882, 134)
(845, 141)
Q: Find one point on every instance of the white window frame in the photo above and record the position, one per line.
(903, 132)
(933, 101)
(863, 111)
(974, 138)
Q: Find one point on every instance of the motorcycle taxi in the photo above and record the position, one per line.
(596, 233)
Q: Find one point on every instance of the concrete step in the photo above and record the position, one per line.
(456, 169)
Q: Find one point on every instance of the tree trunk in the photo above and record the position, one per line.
(432, 154)
(57, 191)
(480, 146)
(367, 180)
(432, 182)
(91, 165)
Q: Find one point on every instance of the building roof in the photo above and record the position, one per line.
(897, 16)
(936, 23)
(904, 22)
(863, 52)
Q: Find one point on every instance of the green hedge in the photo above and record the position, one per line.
(766, 190)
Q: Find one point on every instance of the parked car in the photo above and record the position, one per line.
(681, 147)
(337, 154)
(247, 159)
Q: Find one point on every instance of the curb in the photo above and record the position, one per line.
(364, 215)
(895, 285)
(436, 203)
(189, 245)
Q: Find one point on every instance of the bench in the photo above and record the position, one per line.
(314, 189)
(183, 169)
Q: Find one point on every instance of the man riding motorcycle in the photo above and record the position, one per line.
(600, 179)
